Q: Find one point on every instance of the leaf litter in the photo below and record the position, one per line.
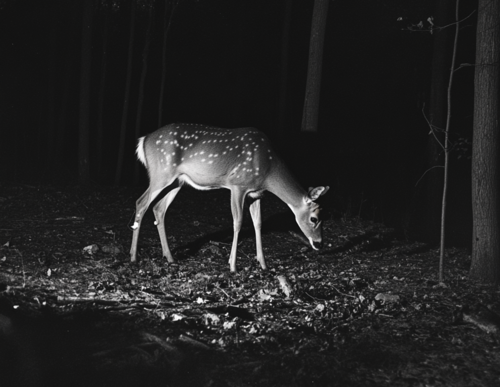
(366, 311)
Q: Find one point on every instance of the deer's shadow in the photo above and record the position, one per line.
(282, 222)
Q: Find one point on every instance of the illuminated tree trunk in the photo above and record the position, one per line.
(84, 127)
(128, 83)
(170, 6)
(142, 82)
(285, 40)
(102, 91)
(313, 85)
(485, 265)
(428, 217)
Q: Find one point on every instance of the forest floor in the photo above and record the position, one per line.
(367, 310)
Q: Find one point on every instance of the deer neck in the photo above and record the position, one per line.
(281, 183)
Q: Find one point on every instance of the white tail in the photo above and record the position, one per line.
(240, 160)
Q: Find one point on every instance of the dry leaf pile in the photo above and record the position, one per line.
(366, 311)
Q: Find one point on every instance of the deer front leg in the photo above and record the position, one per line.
(159, 211)
(237, 200)
(257, 224)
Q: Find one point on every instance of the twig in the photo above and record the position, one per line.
(439, 28)
(223, 291)
(347, 295)
(83, 300)
(433, 128)
(338, 291)
(314, 298)
(421, 177)
(462, 65)
(456, 23)
(118, 304)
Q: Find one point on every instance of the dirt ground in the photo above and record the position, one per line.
(367, 310)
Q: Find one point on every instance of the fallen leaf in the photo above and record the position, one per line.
(285, 285)
(177, 317)
(91, 249)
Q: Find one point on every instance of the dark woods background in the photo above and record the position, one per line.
(235, 63)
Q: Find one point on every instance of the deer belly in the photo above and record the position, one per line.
(203, 178)
(199, 183)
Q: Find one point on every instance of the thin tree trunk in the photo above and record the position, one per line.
(313, 85)
(84, 127)
(67, 86)
(238, 66)
(285, 39)
(51, 127)
(69, 82)
(427, 222)
(447, 147)
(123, 130)
(485, 266)
(102, 92)
(166, 28)
(145, 55)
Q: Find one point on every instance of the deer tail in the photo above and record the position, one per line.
(140, 150)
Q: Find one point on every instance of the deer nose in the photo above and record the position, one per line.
(317, 245)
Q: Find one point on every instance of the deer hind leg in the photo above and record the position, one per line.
(237, 201)
(159, 211)
(141, 205)
(257, 224)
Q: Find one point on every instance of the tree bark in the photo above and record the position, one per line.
(446, 145)
(485, 266)
(166, 28)
(285, 40)
(238, 66)
(102, 91)
(313, 85)
(69, 76)
(140, 102)
(84, 127)
(123, 130)
(50, 155)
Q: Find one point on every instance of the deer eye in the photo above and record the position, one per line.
(314, 220)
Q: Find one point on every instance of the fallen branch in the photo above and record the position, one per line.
(123, 304)
(485, 319)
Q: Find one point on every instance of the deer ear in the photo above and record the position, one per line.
(315, 193)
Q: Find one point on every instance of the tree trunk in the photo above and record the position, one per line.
(145, 55)
(84, 127)
(102, 92)
(285, 39)
(166, 28)
(313, 85)
(429, 225)
(485, 266)
(67, 85)
(238, 108)
(69, 82)
(123, 130)
(446, 145)
(50, 151)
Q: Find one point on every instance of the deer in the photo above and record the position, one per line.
(206, 158)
